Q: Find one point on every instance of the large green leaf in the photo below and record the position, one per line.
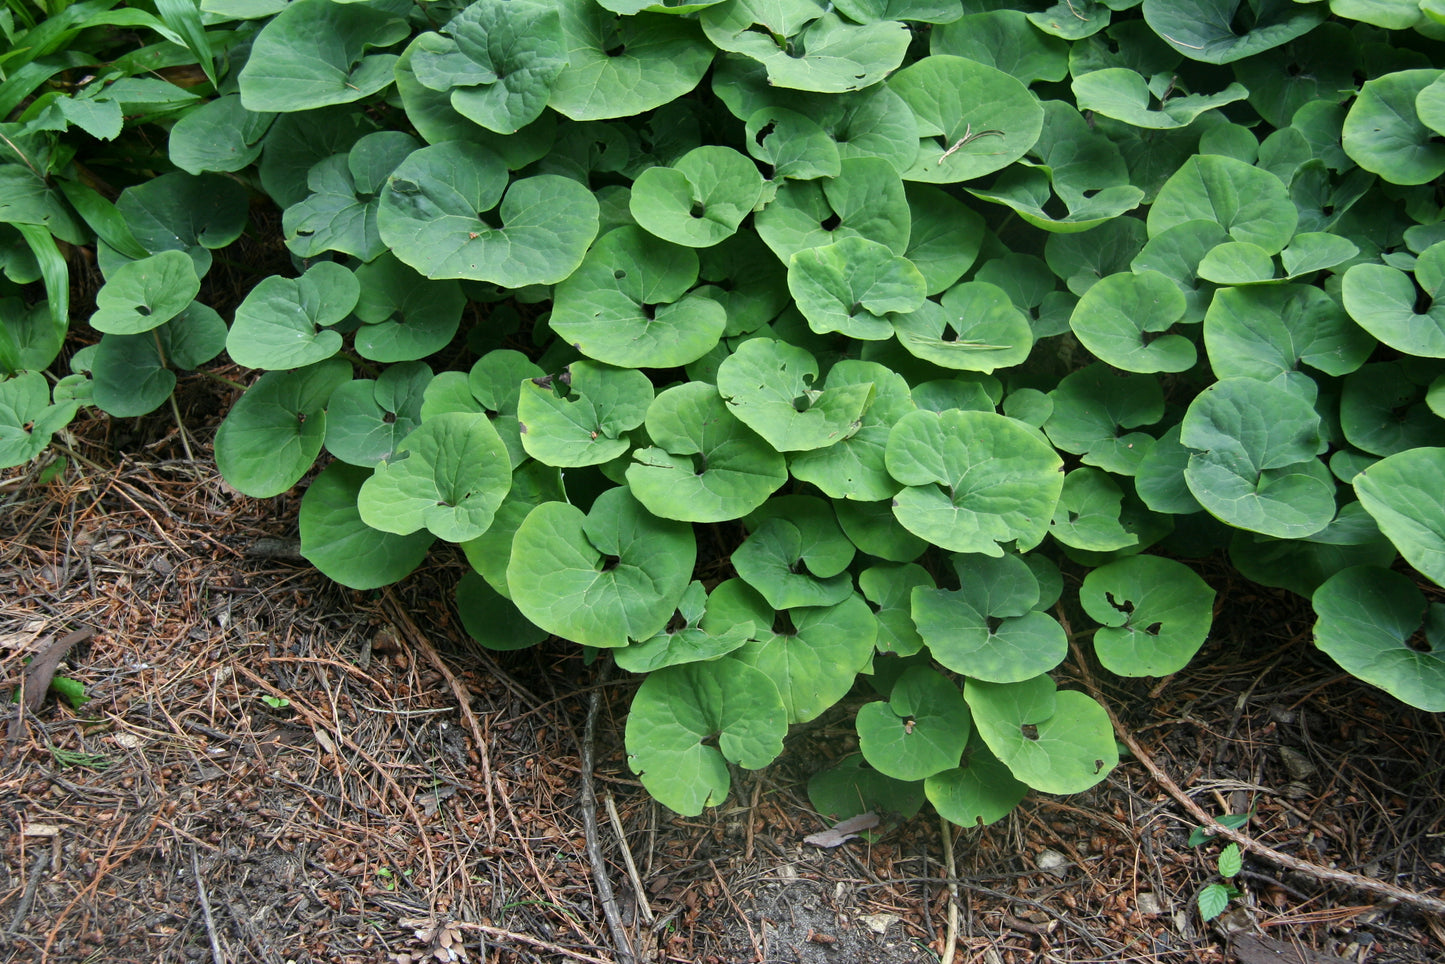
(1056, 742)
(1386, 302)
(1378, 626)
(1124, 95)
(141, 295)
(704, 465)
(920, 730)
(429, 218)
(1266, 332)
(1005, 40)
(687, 643)
(588, 424)
(974, 480)
(677, 714)
(1218, 32)
(1384, 134)
(975, 327)
(772, 561)
(700, 199)
(28, 420)
(404, 317)
(286, 322)
(367, 419)
(854, 468)
(866, 200)
(335, 540)
(314, 53)
(1250, 204)
(1124, 320)
(614, 574)
(181, 212)
(1254, 463)
(852, 286)
(1403, 493)
(633, 303)
(497, 59)
(274, 432)
(1155, 612)
(769, 385)
(340, 213)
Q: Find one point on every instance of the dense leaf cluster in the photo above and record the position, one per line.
(803, 340)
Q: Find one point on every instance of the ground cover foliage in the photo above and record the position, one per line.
(802, 343)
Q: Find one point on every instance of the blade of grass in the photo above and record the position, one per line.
(53, 270)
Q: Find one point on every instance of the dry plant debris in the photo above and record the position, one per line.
(271, 768)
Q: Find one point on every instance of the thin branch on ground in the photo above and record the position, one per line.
(211, 936)
(605, 896)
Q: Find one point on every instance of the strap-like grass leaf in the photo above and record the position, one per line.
(677, 714)
(336, 541)
(974, 480)
(614, 574)
(1378, 626)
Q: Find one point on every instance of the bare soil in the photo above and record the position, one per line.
(272, 768)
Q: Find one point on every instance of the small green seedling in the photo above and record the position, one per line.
(276, 702)
(1215, 897)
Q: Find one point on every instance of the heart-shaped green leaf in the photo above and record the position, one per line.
(274, 432)
(700, 200)
(920, 730)
(336, 541)
(141, 295)
(1156, 613)
(285, 322)
(340, 212)
(314, 53)
(583, 416)
(852, 286)
(769, 385)
(1403, 494)
(1124, 320)
(1056, 742)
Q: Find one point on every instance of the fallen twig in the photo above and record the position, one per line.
(498, 933)
(605, 896)
(632, 873)
(950, 946)
(215, 941)
(1341, 878)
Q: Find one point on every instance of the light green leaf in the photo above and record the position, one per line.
(1250, 204)
(141, 295)
(852, 286)
(314, 53)
(367, 419)
(769, 385)
(981, 791)
(1056, 742)
(587, 425)
(273, 433)
(1384, 134)
(340, 213)
(1005, 40)
(1206, 30)
(976, 328)
(1124, 95)
(221, 135)
(28, 420)
(1267, 332)
(854, 468)
(770, 560)
(802, 47)
(866, 200)
(285, 322)
(1088, 514)
(689, 643)
(1121, 320)
(920, 730)
(404, 317)
(700, 200)
(1155, 612)
(1403, 494)
(1385, 302)
(602, 578)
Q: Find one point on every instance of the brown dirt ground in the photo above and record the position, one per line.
(179, 817)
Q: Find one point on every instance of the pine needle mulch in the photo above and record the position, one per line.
(271, 768)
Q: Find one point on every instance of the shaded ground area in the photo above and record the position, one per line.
(272, 768)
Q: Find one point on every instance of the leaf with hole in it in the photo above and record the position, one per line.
(1403, 494)
(813, 654)
(687, 723)
(988, 628)
(286, 322)
(346, 549)
(1253, 464)
(314, 53)
(973, 119)
(1248, 203)
(1211, 31)
(613, 574)
(851, 787)
(582, 417)
(976, 327)
(700, 200)
(793, 144)
(978, 792)
(429, 218)
(769, 385)
(866, 200)
(340, 212)
(1056, 742)
(1386, 302)
(855, 467)
(687, 643)
(852, 287)
(28, 420)
(497, 59)
(273, 433)
(1379, 627)
(134, 374)
(633, 303)
(1383, 132)
(624, 66)
(771, 561)
(1125, 319)
(141, 295)
(1267, 332)
(180, 212)
(920, 730)
(973, 480)
(803, 45)
(704, 465)
(1155, 612)
(453, 477)
(367, 419)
